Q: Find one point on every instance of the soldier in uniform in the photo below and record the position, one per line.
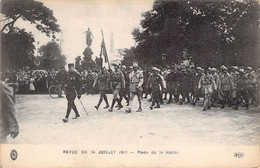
(73, 89)
(104, 83)
(226, 86)
(124, 92)
(184, 85)
(172, 84)
(241, 89)
(217, 82)
(234, 74)
(251, 83)
(136, 81)
(8, 122)
(155, 82)
(196, 91)
(207, 84)
(118, 83)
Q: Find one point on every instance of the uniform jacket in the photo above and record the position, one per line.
(118, 80)
(136, 80)
(73, 82)
(226, 82)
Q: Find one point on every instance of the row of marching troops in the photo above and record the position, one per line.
(227, 86)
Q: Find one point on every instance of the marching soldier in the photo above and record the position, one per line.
(155, 82)
(234, 74)
(207, 84)
(172, 84)
(184, 85)
(104, 84)
(136, 81)
(196, 91)
(251, 83)
(217, 82)
(73, 89)
(124, 92)
(118, 83)
(226, 86)
(241, 89)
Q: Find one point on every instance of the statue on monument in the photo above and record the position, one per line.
(89, 37)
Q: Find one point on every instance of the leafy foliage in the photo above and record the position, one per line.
(212, 33)
(29, 10)
(17, 49)
(51, 56)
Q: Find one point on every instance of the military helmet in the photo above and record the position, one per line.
(249, 68)
(135, 65)
(241, 70)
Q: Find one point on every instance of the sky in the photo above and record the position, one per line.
(74, 18)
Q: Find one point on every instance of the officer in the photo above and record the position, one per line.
(226, 86)
(73, 89)
(104, 83)
(8, 122)
(241, 89)
(118, 83)
(207, 84)
(155, 82)
(136, 81)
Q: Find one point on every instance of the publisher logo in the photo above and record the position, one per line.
(238, 154)
(14, 154)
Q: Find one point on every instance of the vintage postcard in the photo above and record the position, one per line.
(133, 83)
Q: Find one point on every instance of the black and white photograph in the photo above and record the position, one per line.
(133, 83)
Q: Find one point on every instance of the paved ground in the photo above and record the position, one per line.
(40, 120)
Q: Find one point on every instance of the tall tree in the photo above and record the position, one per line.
(212, 32)
(52, 58)
(13, 46)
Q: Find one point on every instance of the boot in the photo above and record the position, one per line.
(139, 109)
(76, 112)
(112, 106)
(119, 104)
(99, 102)
(65, 120)
(128, 110)
(107, 104)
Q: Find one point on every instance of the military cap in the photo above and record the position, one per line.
(192, 66)
(209, 69)
(123, 66)
(70, 65)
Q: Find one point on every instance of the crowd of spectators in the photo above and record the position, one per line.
(38, 81)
